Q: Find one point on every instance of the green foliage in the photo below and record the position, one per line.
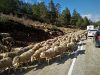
(65, 17)
(75, 17)
(8, 6)
(52, 12)
(25, 7)
(85, 21)
(79, 21)
(45, 13)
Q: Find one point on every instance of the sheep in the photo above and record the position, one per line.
(57, 43)
(49, 54)
(5, 35)
(37, 46)
(22, 50)
(77, 38)
(36, 55)
(16, 49)
(49, 42)
(1, 57)
(8, 41)
(5, 63)
(70, 46)
(9, 54)
(23, 58)
(3, 48)
(26, 56)
(59, 50)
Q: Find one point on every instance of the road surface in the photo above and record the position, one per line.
(85, 61)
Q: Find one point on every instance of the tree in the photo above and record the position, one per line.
(52, 12)
(58, 6)
(43, 11)
(8, 6)
(35, 11)
(79, 21)
(66, 16)
(75, 17)
(85, 21)
(25, 8)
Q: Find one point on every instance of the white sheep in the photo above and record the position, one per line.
(24, 49)
(23, 58)
(5, 35)
(36, 55)
(49, 54)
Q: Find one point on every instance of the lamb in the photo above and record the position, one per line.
(5, 63)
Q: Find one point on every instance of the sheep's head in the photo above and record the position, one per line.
(33, 58)
(15, 61)
(42, 55)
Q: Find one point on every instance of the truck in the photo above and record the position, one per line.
(91, 31)
(90, 27)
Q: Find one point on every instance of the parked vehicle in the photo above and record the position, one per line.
(91, 33)
(97, 38)
(90, 27)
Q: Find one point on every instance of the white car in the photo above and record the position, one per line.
(91, 33)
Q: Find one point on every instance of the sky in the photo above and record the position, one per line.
(89, 8)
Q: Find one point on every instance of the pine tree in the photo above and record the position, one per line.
(85, 21)
(8, 6)
(66, 16)
(58, 6)
(43, 11)
(75, 17)
(79, 21)
(35, 11)
(52, 12)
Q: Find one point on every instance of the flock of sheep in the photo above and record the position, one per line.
(47, 50)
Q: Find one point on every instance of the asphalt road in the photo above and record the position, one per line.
(85, 61)
(88, 63)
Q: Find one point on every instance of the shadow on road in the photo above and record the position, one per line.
(43, 63)
(57, 60)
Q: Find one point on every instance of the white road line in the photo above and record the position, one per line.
(73, 62)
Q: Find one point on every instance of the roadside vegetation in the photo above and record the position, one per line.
(41, 12)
